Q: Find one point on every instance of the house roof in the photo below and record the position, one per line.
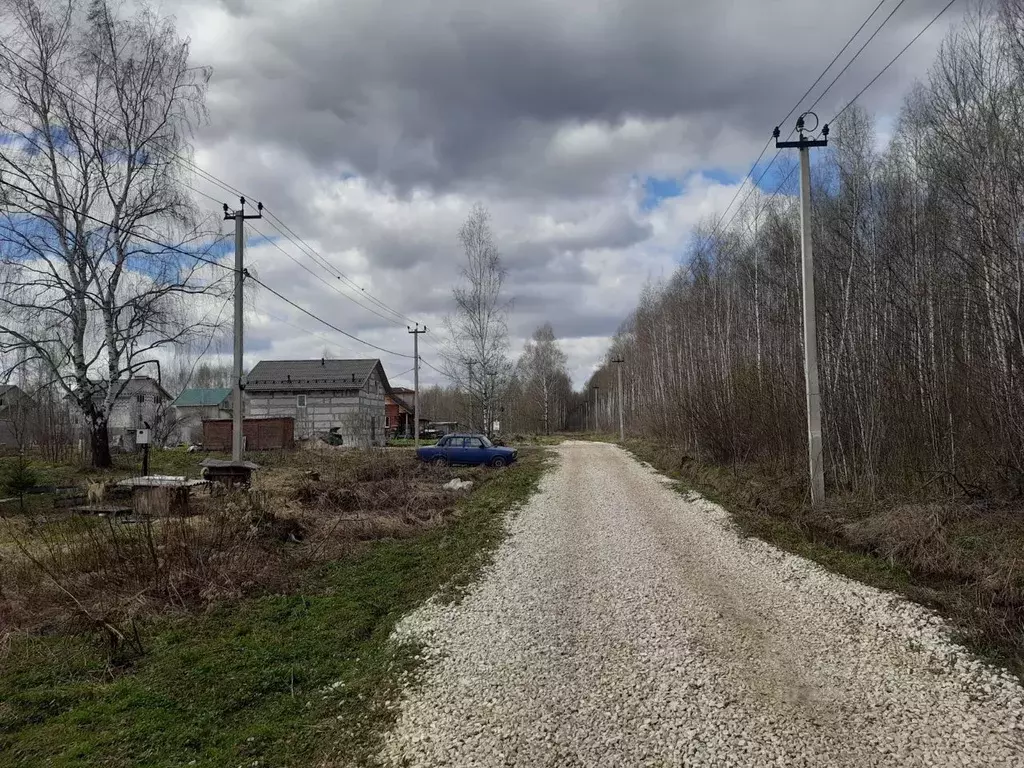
(304, 375)
(403, 391)
(136, 385)
(202, 397)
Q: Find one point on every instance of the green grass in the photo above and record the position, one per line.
(251, 680)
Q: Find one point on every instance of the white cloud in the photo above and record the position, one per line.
(371, 129)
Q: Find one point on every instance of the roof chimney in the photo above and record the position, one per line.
(323, 362)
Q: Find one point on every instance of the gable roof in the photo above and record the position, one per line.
(202, 397)
(303, 375)
(136, 385)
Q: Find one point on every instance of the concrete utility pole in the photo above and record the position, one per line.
(810, 329)
(622, 428)
(236, 371)
(472, 399)
(416, 381)
(489, 398)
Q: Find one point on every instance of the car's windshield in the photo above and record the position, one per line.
(487, 443)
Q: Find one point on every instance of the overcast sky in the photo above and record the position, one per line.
(597, 132)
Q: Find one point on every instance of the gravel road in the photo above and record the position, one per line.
(624, 625)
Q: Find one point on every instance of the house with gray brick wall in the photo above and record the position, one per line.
(321, 395)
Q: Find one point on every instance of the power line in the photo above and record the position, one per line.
(321, 320)
(424, 361)
(859, 51)
(196, 256)
(854, 99)
(718, 226)
(330, 285)
(314, 254)
(893, 61)
(113, 120)
(90, 217)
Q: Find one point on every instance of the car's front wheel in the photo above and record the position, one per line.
(439, 461)
(498, 461)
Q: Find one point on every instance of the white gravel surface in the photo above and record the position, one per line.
(623, 625)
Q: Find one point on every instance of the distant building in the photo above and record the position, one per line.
(192, 406)
(15, 410)
(399, 416)
(345, 397)
(139, 401)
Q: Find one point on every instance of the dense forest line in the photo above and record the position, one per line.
(919, 272)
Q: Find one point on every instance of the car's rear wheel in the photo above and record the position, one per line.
(498, 461)
(439, 461)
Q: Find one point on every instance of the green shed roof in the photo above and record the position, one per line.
(202, 397)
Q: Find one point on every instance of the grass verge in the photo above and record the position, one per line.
(279, 680)
(956, 556)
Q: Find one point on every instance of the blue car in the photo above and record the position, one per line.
(466, 449)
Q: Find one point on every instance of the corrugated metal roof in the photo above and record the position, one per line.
(286, 375)
(202, 397)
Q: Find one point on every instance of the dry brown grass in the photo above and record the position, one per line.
(75, 573)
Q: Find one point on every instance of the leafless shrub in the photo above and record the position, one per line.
(105, 574)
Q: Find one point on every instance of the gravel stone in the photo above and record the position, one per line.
(622, 624)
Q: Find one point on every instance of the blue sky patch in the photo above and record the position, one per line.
(657, 188)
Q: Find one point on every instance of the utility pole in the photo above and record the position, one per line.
(236, 372)
(416, 381)
(596, 425)
(618, 370)
(492, 406)
(472, 399)
(814, 441)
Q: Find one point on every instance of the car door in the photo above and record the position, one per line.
(444, 448)
(451, 449)
(474, 451)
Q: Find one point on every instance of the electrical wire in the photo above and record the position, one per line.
(893, 61)
(290, 234)
(175, 249)
(858, 53)
(330, 285)
(114, 120)
(718, 225)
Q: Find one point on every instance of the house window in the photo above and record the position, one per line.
(140, 399)
(300, 401)
(387, 422)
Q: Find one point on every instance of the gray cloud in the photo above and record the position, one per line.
(451, 92)
(549, 113)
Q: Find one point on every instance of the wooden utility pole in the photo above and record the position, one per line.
(416, 381)
(236, 371)
(814, 441)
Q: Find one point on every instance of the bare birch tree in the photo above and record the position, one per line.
(542, 367)
(476, 359)
(99, 108)
(919, 269)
